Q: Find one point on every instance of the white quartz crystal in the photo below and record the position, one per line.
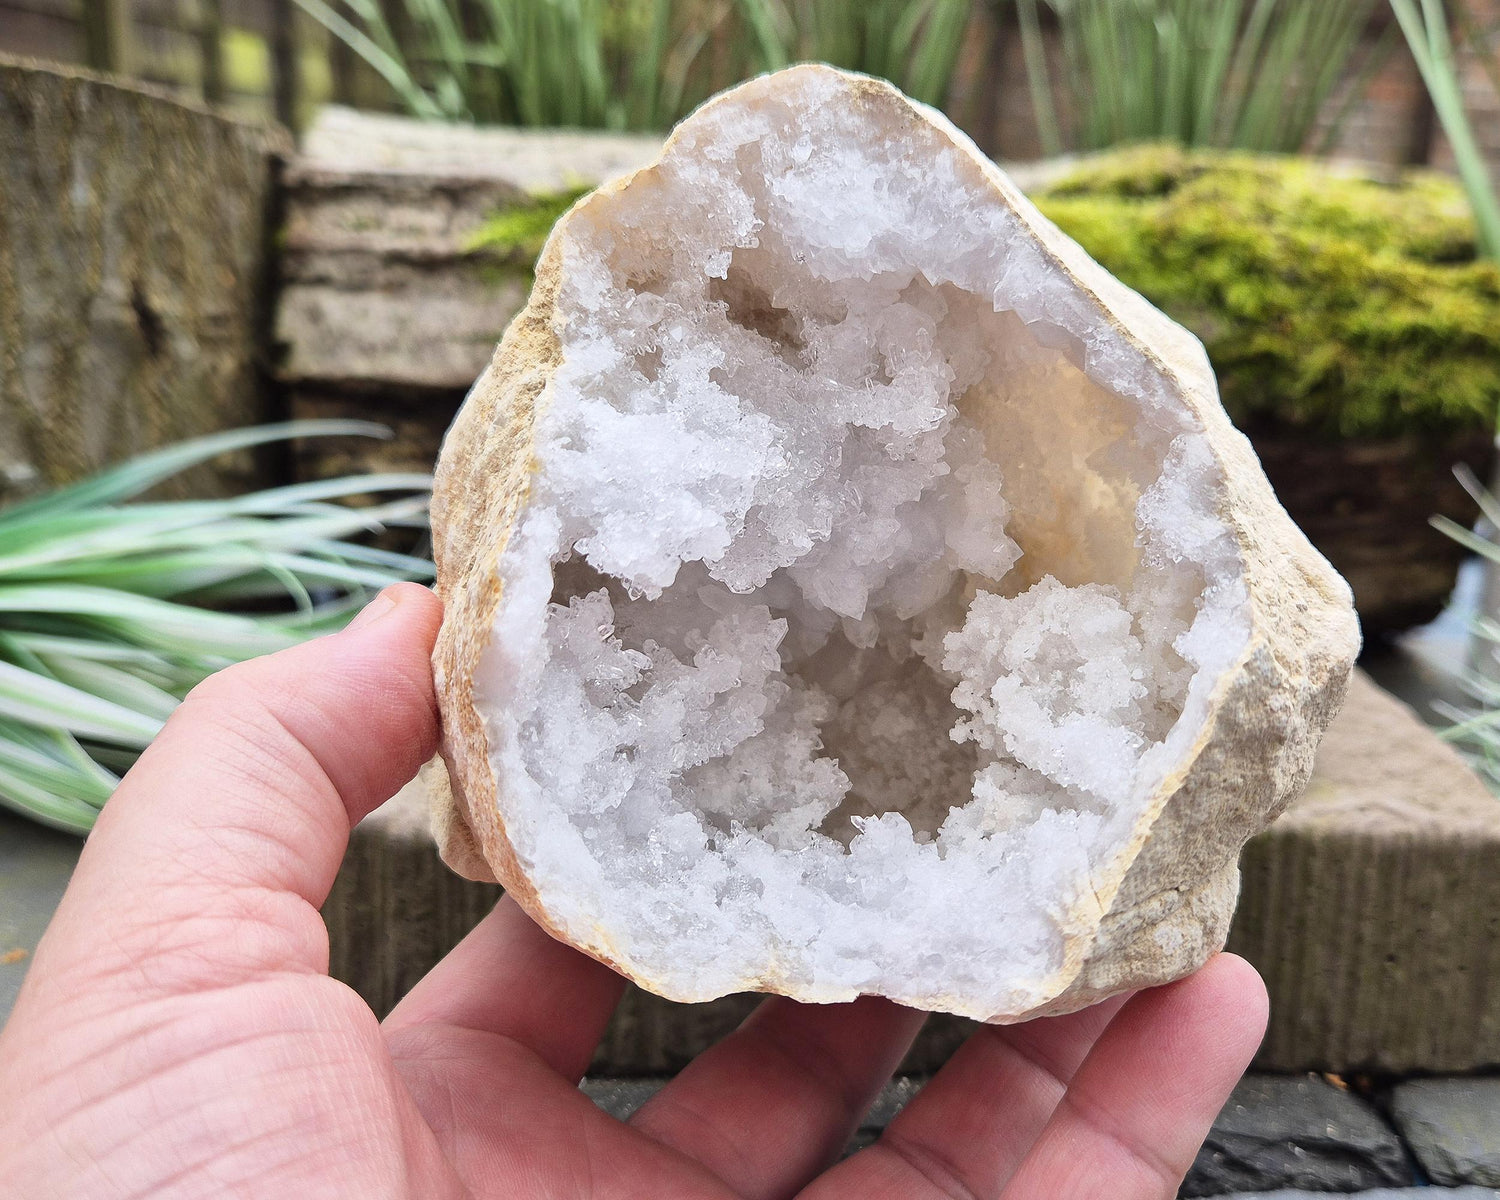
(868, 584)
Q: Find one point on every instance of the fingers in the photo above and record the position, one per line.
(512, 1128)
(1143, 1101)
(508, 977)
(214, 853)
(262, 770)
(969, 1128)
(777, 1100)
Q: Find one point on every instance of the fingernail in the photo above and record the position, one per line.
(374, 610)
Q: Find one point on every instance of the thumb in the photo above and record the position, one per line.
(212, 857)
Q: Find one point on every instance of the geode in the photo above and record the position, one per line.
(852, 588)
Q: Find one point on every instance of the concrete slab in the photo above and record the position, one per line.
(1372, 907)
(35, 866)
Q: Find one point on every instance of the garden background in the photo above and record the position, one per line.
(328, 210)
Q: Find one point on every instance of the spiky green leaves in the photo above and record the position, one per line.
(110, 611)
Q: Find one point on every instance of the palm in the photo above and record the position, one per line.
(177, 1034)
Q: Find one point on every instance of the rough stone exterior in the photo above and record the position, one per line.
(132, 242)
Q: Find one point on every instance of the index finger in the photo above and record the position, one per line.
(212, 857)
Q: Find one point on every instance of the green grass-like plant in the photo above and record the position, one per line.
(1475, 727)
(112, 607)
(1328, 301)
(629, 64)
(1247, 74)
(1425, 25)
(611, 64)
(913, 43)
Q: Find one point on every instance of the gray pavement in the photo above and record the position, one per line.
(35, 865)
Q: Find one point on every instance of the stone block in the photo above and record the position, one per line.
(1372, 907)
(1294, 1131)
(1463, 1193)
(395, 909)
(132, 261)
(1453, 1127)
(621, 1097)
(387, 309)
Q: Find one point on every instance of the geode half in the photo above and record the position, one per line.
(852, 588)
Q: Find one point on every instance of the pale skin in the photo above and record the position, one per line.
(178, 1034)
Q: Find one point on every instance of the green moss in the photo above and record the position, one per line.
(1326, 300)
(515, 235)
(247, 62)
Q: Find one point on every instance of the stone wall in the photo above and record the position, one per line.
(389, 307)
(132, 240)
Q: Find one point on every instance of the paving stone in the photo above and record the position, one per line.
(35, 865)
(1288, 1131)
(1452, 1126)
(621, 1097)
(895, 1096)
(1463, 1193)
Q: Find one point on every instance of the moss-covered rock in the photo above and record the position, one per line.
(1328, 301)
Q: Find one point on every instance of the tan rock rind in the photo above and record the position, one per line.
(1163, 905)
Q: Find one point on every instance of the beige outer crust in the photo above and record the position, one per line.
(1167, 898)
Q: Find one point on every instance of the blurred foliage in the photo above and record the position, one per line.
(517, 234)
(1247, 74)
(629, 64)
(113, 606)
(615, 64)
(913, 43)
(1425, 26)
(1475, 726)
(1327, 301)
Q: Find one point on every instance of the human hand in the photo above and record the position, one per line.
(178, 1034)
